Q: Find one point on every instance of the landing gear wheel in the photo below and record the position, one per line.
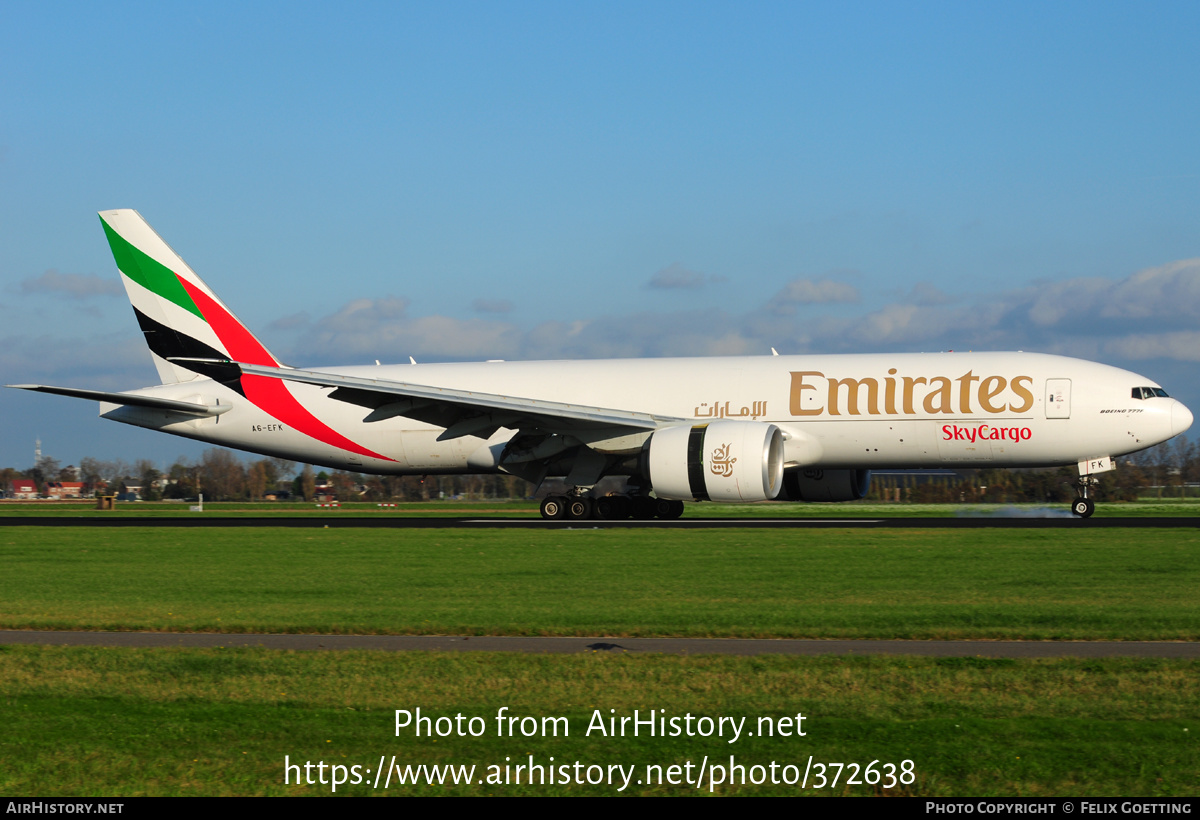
(1083, 507)
(669, 510)
(554, 506)
(607, 508)
(579, 508)
(643, 507)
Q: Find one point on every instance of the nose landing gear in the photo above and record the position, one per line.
(1084, 506)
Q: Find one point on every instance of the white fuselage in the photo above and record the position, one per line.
(838, 411)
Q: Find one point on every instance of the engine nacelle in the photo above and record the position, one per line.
(825, 485)
(721, 461)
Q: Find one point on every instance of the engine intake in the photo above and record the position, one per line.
(720, 461)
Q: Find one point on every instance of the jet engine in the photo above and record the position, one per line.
(720, 461)
(824, 485)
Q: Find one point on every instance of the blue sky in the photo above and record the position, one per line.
(553, 180)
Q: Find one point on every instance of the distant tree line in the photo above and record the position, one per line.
(220, 475)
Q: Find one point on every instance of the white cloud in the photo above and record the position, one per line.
(363, 313)
(381, 329)
(1171, 291)
(1052, 303)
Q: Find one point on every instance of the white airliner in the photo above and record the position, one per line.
(737, 429)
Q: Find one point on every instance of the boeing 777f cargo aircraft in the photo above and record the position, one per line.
(792, 428)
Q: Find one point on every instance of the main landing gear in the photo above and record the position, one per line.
(609, 507)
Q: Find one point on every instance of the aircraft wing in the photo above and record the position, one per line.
(133, 399)
(463, 412)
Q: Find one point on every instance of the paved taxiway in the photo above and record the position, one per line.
(1053, 521)
(670, 646)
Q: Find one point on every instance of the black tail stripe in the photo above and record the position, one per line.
(169, 343)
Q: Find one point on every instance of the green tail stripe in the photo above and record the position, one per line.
(148, 273)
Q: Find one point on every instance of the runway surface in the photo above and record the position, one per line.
(670, 646)
(1017, 521)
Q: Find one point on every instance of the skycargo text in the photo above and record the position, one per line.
(985, 432)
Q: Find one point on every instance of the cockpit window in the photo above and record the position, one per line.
(1149, 393)
(1158, 391)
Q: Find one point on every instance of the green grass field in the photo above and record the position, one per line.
(1081, 584)
(88, 721)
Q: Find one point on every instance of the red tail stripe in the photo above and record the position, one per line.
(239, 342)
(268, 394)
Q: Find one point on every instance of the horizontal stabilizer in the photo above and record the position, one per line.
(133, 399)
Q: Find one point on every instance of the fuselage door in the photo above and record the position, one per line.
(1058, 398)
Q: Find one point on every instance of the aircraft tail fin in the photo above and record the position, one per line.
(180, 315)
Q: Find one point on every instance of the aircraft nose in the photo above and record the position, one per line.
(1181, 418)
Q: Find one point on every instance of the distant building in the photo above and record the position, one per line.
(64, 489)
(130, 491)
(22, 488)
